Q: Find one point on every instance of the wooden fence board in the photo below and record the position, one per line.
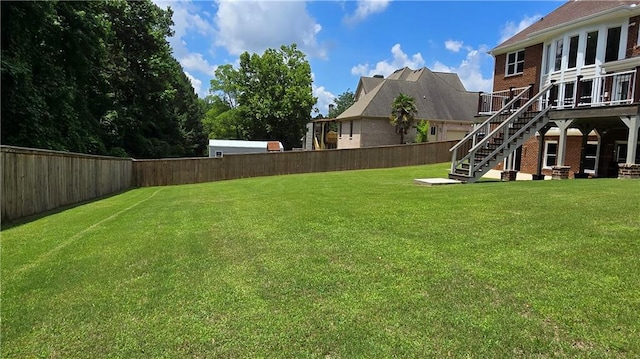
(34, 181)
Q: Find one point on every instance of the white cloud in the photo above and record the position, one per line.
(453, 45)
(511, 28)
(185, 19)
(469, 70)
(254, 26)
(385, 68)
(197, 85)
(324, 99)
(196, 62)
(366, 8)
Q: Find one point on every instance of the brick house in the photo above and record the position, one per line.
(565, 100)
(440, 98)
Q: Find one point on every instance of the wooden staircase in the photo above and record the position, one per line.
(499, 136)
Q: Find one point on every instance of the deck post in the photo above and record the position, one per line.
(633, 124)
(563, 125)
(636, 87)
(480, 101)
(576, 98)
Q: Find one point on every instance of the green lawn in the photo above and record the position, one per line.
(331, 265)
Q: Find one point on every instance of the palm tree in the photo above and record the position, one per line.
(403, 111)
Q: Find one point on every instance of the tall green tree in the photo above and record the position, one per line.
(342, 103)
(274, 95)
(95, 77)
(403, 111)
(221, 121)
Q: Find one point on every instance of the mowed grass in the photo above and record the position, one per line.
(331, 265)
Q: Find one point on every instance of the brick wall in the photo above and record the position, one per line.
(529, 160)
(632, 40)
(346, 141)
(529, 75)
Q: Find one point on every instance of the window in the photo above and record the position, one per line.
(621, 152)
(585, 91)
(622, 90)
(573, 52)
(613, 44)
(568, 94)
(558, 64)
(550, 153)
(591, 157)
(433, 130)
(515, 63)
(547, 63)
(590, 51)
(350, 129)
(340, 128)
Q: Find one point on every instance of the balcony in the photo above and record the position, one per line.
(619, 88)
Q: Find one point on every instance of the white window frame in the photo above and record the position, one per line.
(597, 157)
(547, 57)
(618, 143)
(515, 63)
(546, 153)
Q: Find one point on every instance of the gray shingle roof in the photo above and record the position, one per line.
(438, 96)
(568, 12)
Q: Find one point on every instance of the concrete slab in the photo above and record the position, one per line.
(521, 176)
(435, 181)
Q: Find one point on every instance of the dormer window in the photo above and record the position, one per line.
(515, 63)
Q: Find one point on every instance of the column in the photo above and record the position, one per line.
(560, 171)
(630, 169)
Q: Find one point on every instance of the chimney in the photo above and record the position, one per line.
(331, 107)
(378, 76)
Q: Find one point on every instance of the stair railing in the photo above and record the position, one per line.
(470, 140)
(502, 130)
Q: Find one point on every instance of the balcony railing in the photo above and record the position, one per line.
(620, 88)
(489, 103)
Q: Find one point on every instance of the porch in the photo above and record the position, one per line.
(604, 109)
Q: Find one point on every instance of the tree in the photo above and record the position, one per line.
(403, 111)
(342, 103)
(221, 121)
(422, 131)
(95, 77)
(275, 96)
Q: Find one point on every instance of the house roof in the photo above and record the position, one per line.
(567, 14)
(238, 143)
(438, 96)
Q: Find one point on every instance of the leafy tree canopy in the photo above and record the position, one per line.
(342, 103)
(271, 92)
(96, 77)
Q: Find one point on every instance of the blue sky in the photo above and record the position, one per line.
(344, 40)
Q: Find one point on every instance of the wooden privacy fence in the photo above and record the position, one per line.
(163, 172)
(35, 181)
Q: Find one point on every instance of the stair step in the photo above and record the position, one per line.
(459, 177)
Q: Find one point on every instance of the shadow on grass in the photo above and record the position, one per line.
(34, 217)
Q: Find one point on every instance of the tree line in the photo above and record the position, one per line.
(268, 97)
(98, 78)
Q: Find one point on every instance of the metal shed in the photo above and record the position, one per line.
(219, 148)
